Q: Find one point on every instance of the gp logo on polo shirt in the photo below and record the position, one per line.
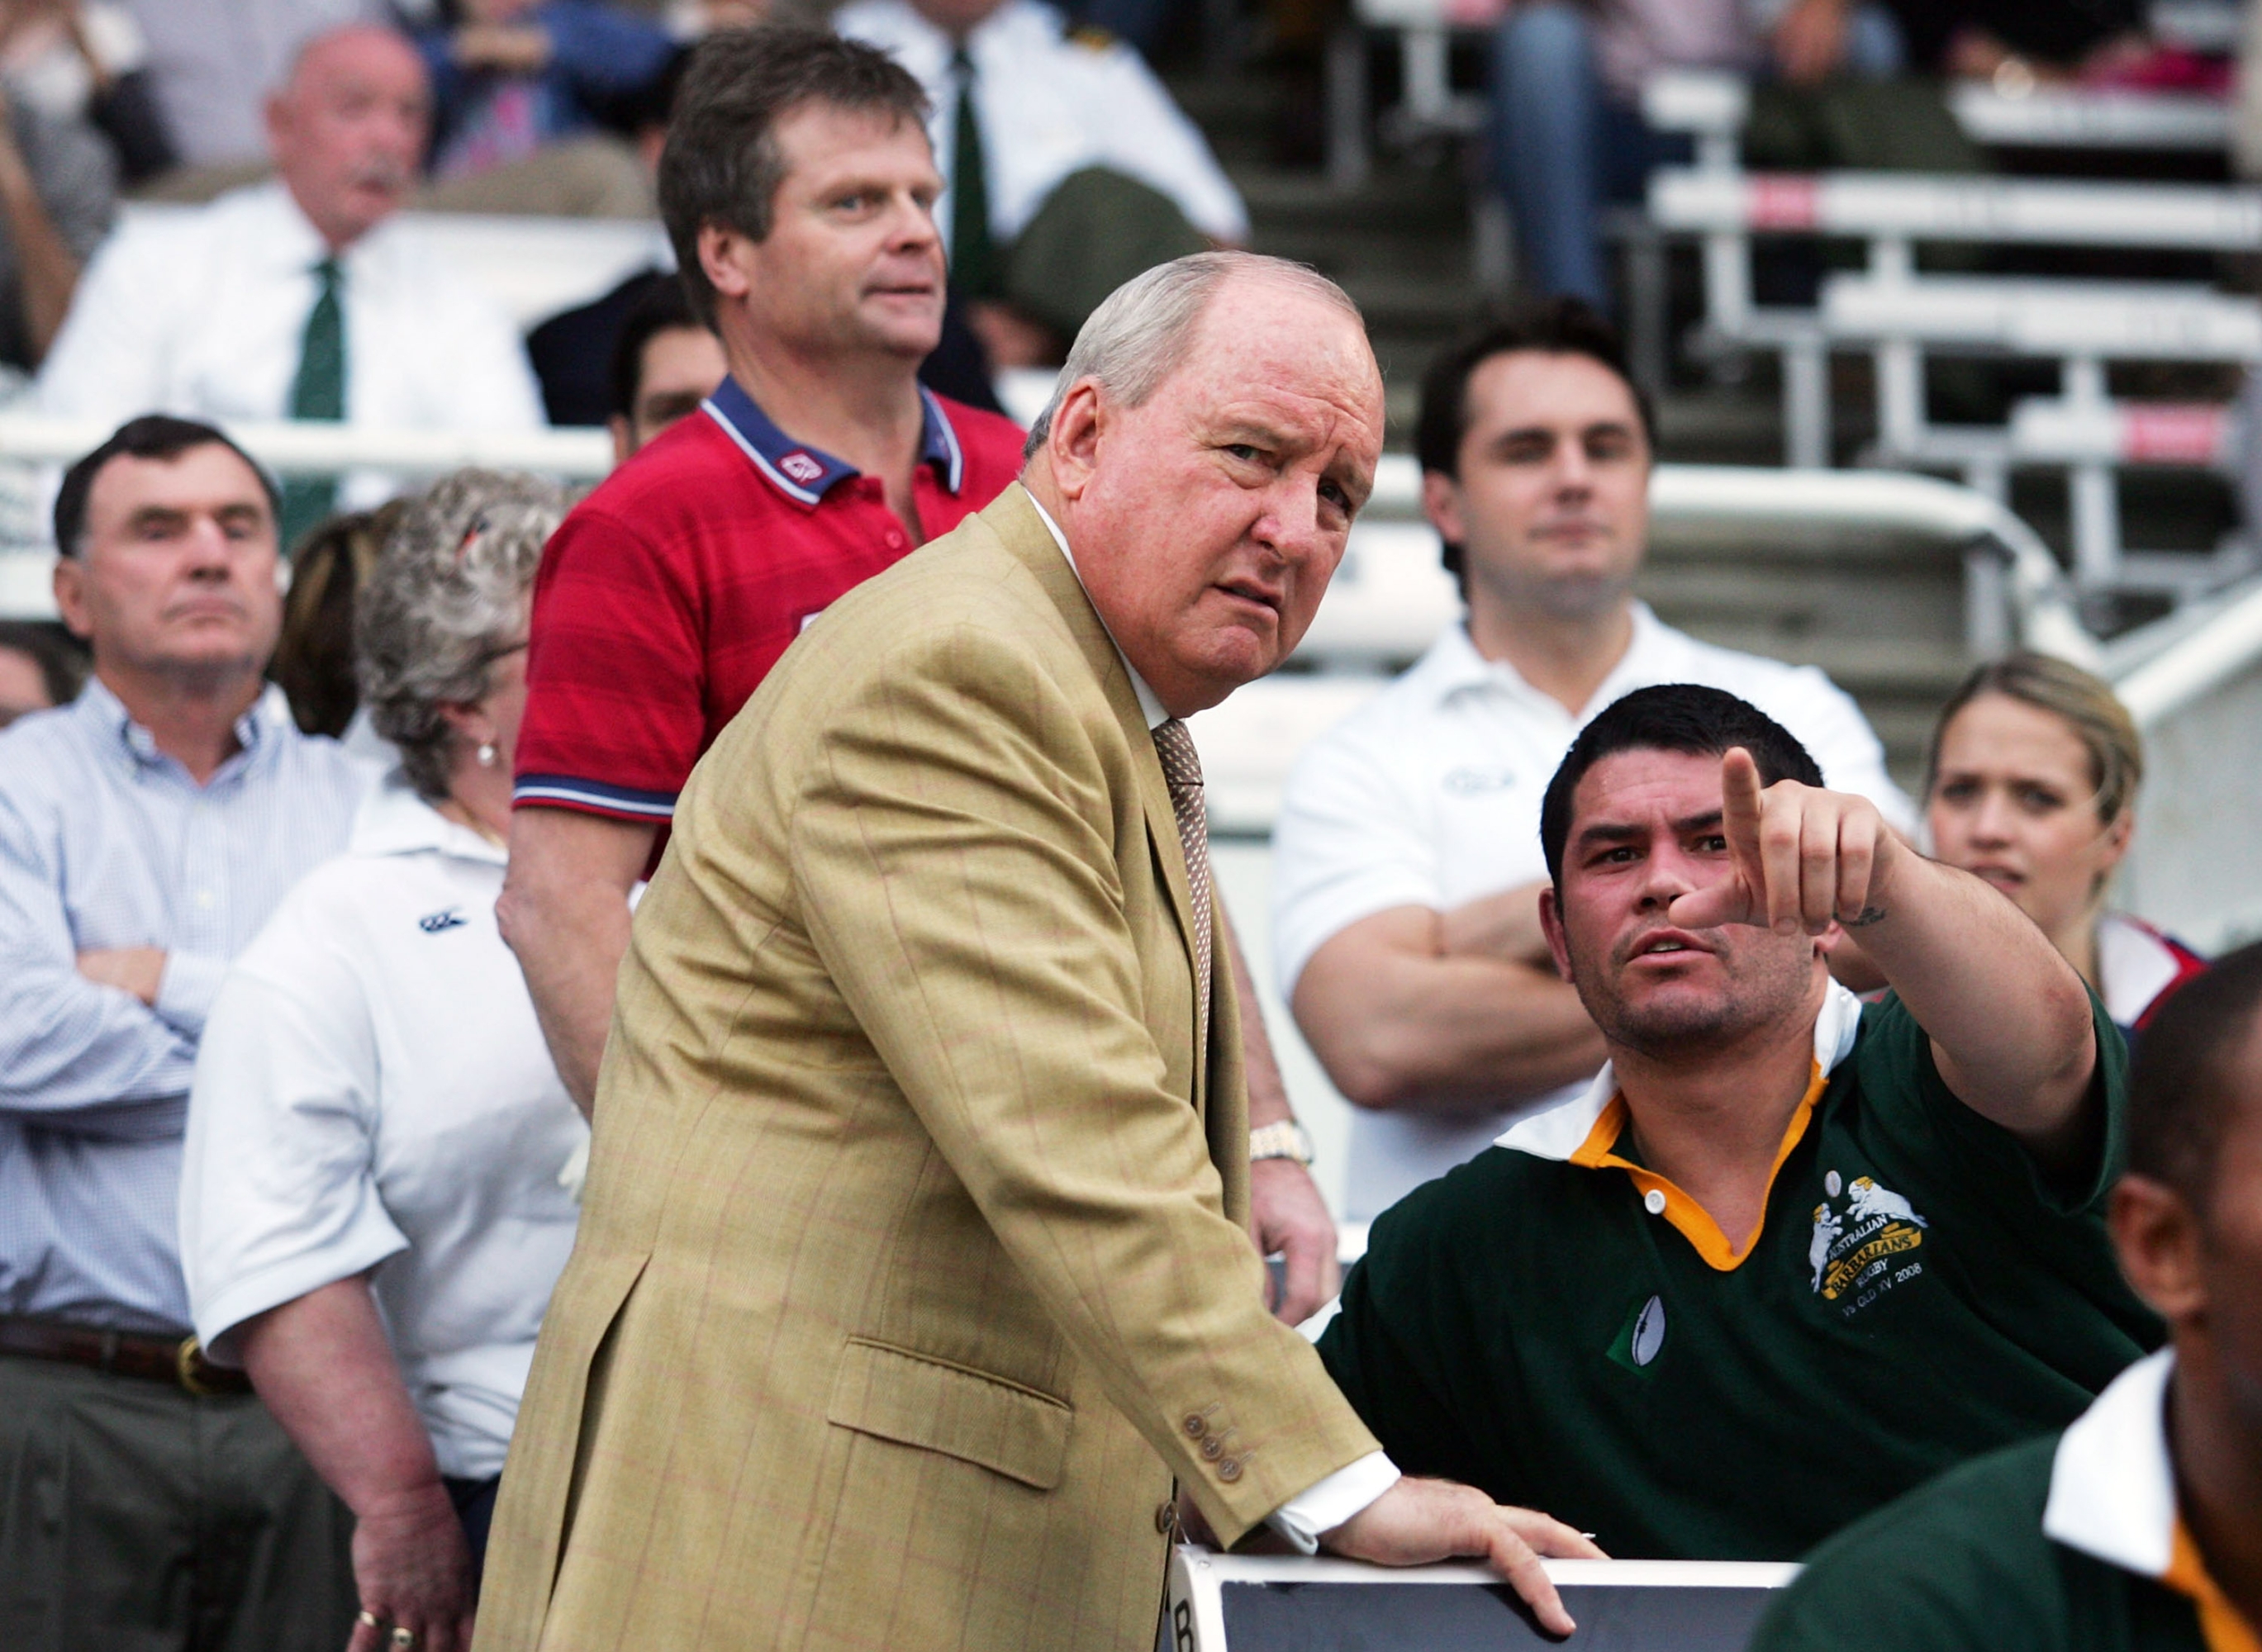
(1863, 1242)
(801, 467)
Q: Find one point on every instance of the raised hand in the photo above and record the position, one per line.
(1801, 857)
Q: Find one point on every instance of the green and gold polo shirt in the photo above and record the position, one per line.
(1559, 1326)
(2070, 1544)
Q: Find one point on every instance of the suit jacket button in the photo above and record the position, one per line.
(1195, 1427)
(1165, 1512)
(1229, 1470)
(1212, 1448)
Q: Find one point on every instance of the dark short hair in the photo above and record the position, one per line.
(313, 661)
(2183, 1085)
(1551, 326)
(723, 164)
(1670, 717)
(60, 660)
(660, 306)
(151, 436)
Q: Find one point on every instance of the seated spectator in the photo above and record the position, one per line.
(298, 298)
(666, 362)
(1789, 1256)
(1568, 131)
(2032, 787)
(371, 1219)
(314, 660)
(2140, 1526)
(145, 834)
(39, 671)
(2019, 44)
(86, 60)
(1069, 168)
(58, 194)
(519, 84)
(1407, 869)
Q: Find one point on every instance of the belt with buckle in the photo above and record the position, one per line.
(180, 1361)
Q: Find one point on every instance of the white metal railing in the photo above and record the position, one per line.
(292, 447)
(2224, 645)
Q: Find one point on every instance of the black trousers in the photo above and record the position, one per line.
(135, 1517)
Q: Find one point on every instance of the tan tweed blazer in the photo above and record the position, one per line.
(912, 1269)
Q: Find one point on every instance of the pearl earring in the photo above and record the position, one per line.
(487, 754)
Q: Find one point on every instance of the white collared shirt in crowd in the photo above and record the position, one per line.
(374, 1092)
(1429, 795)
(201, 311)
(1051, 103)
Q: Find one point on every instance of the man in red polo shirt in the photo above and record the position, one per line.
(797, 186)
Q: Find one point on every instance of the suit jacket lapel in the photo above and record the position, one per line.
(1012, 516)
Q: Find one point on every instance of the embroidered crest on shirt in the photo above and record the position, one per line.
(801, 467)
(445, 918)
(1863, 1233)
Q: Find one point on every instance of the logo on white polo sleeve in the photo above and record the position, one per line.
(1864, 1234)
(445, 918)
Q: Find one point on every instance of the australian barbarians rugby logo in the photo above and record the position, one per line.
(1863, 1242)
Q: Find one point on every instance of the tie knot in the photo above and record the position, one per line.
(1174, 743)
(328, 274)
(961, 63)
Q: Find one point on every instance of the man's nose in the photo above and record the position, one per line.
(911, 226)
(1574, 472)
(1665, 877)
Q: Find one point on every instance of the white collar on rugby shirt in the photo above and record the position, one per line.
(2113, 1487)
(1149, 707)
(1558, 1132)
(395, 821)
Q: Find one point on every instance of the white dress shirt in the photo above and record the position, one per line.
(1051, 103)
(201, 311)
(374, 1092)
(1326, 1504)
(1429, 796)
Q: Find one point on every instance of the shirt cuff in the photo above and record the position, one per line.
(186, 989)
(1327, 1505)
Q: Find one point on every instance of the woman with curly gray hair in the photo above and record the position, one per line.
(371, 1214)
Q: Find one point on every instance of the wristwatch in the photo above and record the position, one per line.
(1285, 1139)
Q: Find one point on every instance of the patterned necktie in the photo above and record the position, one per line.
(973, 256)
(1182, 770)
(319, 392)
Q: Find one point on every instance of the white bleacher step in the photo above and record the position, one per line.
(1949, 207)
(2050, 117)
(2101, 320)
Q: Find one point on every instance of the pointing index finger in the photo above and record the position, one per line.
(1742, 806)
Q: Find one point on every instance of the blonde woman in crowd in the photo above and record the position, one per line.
(372, 1216)
(2033, 786)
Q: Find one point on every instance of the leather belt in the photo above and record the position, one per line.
(180, 1362)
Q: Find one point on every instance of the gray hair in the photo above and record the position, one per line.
(445, 603)
(1142, 331)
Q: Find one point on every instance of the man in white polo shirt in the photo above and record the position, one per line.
(1406, 860)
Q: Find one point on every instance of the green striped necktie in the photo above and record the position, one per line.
(973, 256)
(319, 392)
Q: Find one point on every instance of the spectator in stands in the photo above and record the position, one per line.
(1855, 1246)
(667, 362)
(86, 60)
(1568, 134)
(372, 1216)
(298, 298)
(214, 62)
(2018, 44)
(145, 834)
(58, 192)
(1070, 169)
(313, 662)
(2032, 787)
(653, 622)
(2140, 1526)
(519, 84)
(39, 671)
(1406, 861)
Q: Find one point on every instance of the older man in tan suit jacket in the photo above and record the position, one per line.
(912, 1272)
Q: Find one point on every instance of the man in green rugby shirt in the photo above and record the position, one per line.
(1789, 1257)
(2140, 1528)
